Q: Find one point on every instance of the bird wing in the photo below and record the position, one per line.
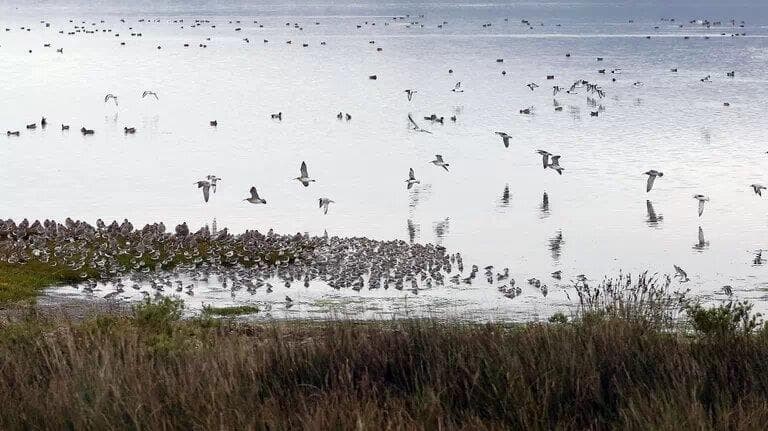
(545, 159)
(457, 86)
(701, 236)
(321, 202)
(651, 179)
(106, 98)
(206, 192)
(701, 207)
(505, 139)
(411, 176)
(413, 123)
(144, 94)
(254, 193)
(304, 170)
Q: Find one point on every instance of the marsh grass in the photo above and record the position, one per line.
(23, 282)
(238, 310)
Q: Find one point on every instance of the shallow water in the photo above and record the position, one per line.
(596, 220)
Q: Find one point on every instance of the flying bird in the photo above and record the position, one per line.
(255, 199)
(110, 96)
(555, 164)
(414, 126)
(149, 93)
(206, 186)
(409, 92)
(324, 202)
(457, 88)
(411, 179)
(681, 274)
(440, 162)
(304, 178)
(652, 174)
(758, 188)
(544, 158)
(532, 85)
(504, 138)
(701, 199)
(214, 181)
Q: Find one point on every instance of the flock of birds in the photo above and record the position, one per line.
(249, 260)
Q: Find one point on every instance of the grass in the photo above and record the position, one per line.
(153, 370)
(229, 311)
(24, 282)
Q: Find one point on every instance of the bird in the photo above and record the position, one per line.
(702, 243)
(457, 88)
(681, 274)
(129, 130)
(440, 162)
(411, 179)
(278, 116)
(255, 199)
(504, 138)
(701, 199)
(85, 131)
(652, 174)
(149, 93)
(304, 178)
(415, 126)
(409, 92)
(214, 181)
(758, 188)
(555, 164)
(532, 85)
(556, 89)
(324, 202)
(206, 186)
(214, 123)
(110, 96)
(544, 157)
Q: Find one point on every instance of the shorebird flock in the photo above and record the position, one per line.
(117, 249)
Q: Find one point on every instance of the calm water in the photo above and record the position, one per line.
(596, 220)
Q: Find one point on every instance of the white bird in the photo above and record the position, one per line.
(110, 96)
(409, 92)
(411, 179)
(652, 174)
(206, 186)
(255, 199)
(324, 202)
(457, 88)
(544, 157)
(701, 199)
(758, 188)
(214, 181)
(504, 138)
(304, 178)
(149, 93)
(440, 162)
(415, 126)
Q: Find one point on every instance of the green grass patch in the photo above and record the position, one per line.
(23, 282)
(229, 311)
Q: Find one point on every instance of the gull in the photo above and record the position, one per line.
(411, 179)
(758, 189)
(440, 162)
(701, 199)
(416, 126)
(555, 164)
(149, 93)
(652, 174)
(544, 157)
(680, 273)
(457, 88)
(214, 180)
(409, 92)
(110, 96)
(505, 138)
(206, 186)
(255, 199)
(304, 178)
(324, 202)
(532, 85)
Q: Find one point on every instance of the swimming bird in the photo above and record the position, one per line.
(679, 273)
(324, 202)
(504, 138)
(409, 92)
(701, 199)
(457, 88)
(652, 174)
(555, 164)
(758, 188)
(110, 96)
(415, 126)
(411, 179)
(440, 162)
(255, 199)
(544, 157)
(206, 186)
(304, 178)
(149, 93)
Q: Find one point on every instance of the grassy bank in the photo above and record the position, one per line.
(151, 370)
(24, 282)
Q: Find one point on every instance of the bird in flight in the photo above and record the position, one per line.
(440, 162)
(681, 274)
(457, 88)
(758, 188)
(414, 126)
(214, 181)
(652, 174)
(149, 93)
(255, 199)
(555, 164)
(544, 158)
(411, 179)
(504, 138)
(532, 86)
(206, 186)
(324, 202)
(409, 92)
(701, 199)
(304, 178)
(110, 96)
